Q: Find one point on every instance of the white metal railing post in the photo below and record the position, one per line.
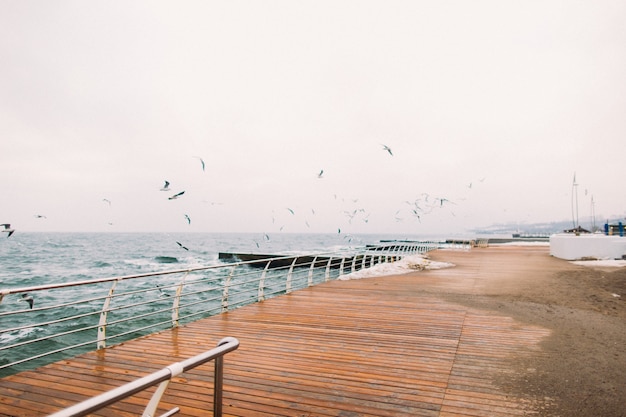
(225, 291)
(261, 295)
(176, 303)
(102, 324)
(327, 273)
(341, 265)
(290, 276)
(310, 277)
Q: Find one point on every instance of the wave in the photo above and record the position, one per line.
(17, 335)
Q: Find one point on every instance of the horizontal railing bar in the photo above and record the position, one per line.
(138, 329)
(49, 337)
(140, 316)
(95, 326)
(198, 313)
(52, 352)
(47, 323)
(205, 300)
(73, 303)
(93, 313)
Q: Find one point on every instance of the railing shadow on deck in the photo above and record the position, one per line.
(64, 320)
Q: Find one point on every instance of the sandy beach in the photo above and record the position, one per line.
(581, 368)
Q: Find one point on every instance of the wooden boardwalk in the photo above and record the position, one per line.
(386, 346)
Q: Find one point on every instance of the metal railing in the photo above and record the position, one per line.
(66, 319)
(162, 377)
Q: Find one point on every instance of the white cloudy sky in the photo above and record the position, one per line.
(106, 100)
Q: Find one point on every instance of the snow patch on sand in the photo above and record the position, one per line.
(602, 262)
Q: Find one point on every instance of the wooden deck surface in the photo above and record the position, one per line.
(386, 346)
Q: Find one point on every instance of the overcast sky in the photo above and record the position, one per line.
(489, 108)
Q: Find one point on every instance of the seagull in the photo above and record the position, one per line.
(107, 201)
(188, 219)
(7, 229)
(201, 161)
(387, 148)
(40, 216)
(181, 245)
(166, 187)
(162, 293)
(175, 196)
(320, 175)
(29, 299)
(291, 210)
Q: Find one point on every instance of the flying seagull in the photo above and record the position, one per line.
(320, 175)
(40, 216)
(388, 149)
(175, 196)
(201, 161)
(7, 229)
(29, 299)
(181, 245)
(188, 218)
(107, 201)
(166, 187)
(162, 293)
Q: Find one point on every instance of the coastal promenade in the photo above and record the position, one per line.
(384, 346)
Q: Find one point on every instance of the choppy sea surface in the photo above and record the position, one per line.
(33, 259)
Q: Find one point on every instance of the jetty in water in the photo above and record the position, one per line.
(259, 260)
(391, 250)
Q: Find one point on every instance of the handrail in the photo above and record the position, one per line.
(69, 318)
(164, 376)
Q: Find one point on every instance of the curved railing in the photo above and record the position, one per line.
(163, 378)
(46, 323)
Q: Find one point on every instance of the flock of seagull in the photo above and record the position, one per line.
(421, 206)
(418, 208)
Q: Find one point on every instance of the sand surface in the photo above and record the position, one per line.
(581, 369)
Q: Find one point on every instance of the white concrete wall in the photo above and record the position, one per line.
(571, 247)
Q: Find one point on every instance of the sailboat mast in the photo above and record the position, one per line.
(575, 202)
